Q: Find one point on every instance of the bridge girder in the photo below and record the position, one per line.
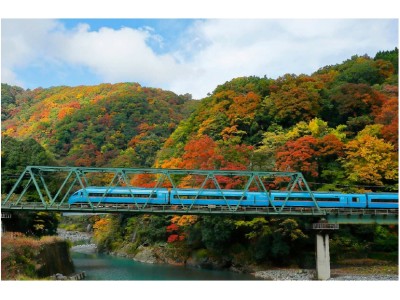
(46, 188)
(33, 180)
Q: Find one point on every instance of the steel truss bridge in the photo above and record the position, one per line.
(46, 188)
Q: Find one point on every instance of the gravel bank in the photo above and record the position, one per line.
(82, 240)
(75, 236)
(365, 277)
(305, 274)
(286, 274)
(87, 248)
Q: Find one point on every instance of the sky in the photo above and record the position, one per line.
(185, 55)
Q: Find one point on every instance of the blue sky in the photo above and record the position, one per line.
(184, 55)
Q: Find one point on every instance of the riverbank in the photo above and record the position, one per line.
(27, 258)
(355, 269)
(345, 270)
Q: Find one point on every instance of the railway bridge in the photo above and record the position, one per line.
(48, 188)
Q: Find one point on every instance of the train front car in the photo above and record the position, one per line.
(76, 197)
(383, 200)
(119, 195)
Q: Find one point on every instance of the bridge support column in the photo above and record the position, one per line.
(4, 215)
(322, 256)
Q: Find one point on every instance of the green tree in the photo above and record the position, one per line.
(16, 155)
(265, 156)
(33, 223)
(392, 56)
(9, 95)
(362, 71)
(217, 233)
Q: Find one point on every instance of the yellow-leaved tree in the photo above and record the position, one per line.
(370, 160)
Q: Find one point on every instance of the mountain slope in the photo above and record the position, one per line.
(106, 125)
(337, 126)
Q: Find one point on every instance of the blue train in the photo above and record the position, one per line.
(125, 195)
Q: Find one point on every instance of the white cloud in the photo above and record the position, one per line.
(22, 43)
(113, 55)
(209, 53)
(7, 75)
(231, 48)
(118, 55)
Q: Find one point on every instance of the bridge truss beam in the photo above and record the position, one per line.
(48, 188)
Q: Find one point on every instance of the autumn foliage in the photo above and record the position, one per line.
(121, 124)
(338, 126)
(176, 229)
(304, 123)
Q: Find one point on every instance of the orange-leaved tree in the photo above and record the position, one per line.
(309, 155)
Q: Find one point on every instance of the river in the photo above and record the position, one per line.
(106, 267)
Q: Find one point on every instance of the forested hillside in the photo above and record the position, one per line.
(338, 126)
(106, 125)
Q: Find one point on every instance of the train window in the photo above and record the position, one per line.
(377, 200)
(202, 197)
(328, 199)
(95, 195)
(184, 197)
(355, 199)
(236, 198)
(152, 195)
(307, 199)
(293, 198)
(118, 195)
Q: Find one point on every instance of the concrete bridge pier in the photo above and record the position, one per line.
(322, 256)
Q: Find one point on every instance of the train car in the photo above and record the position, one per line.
(119, 195)
(383, 200)
(217, 197)
(324, 199)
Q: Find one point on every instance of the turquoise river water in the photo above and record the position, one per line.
(106, 267)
